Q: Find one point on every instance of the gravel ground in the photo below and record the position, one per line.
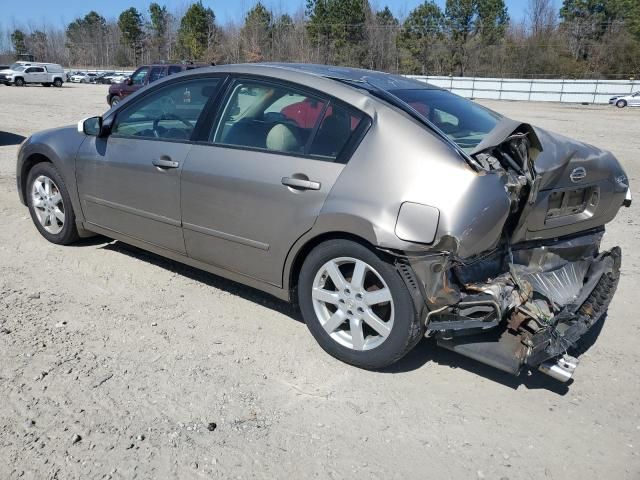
(115, 363)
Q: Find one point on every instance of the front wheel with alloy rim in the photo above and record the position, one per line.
(50, 205)
(19, 82)
(356, 305)
(621, 104)
(115, 100)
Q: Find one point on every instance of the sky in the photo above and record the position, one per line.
(38, 12)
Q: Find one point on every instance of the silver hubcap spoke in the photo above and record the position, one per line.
(47, 204)
(353, 303)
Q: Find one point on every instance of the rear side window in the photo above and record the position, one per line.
(270, 117)
(156, 73)
(279, 118)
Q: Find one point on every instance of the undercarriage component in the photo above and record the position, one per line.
(501, 350)
(562, 369)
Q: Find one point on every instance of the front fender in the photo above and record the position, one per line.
(59, 146)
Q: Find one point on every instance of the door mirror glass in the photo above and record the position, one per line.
(90, 126)
(128, 81)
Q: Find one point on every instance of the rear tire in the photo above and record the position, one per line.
(621, 103)
(50, 205)
(57, 83)
(369, 323)
(115, 100)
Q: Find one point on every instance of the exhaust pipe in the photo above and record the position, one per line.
(561, 369)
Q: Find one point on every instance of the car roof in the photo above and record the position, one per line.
(386, 81)
(335, 74)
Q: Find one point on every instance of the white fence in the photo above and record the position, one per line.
(540, 90)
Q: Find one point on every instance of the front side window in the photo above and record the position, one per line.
(139, 76)
(174, 69)
(169, 113)
(463, 121)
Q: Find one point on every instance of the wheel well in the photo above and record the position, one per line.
(296, 266)
(28, 164)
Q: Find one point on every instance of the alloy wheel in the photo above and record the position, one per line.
(48, 206)
(353, 303)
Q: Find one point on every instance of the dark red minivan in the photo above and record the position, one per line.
(145, 75)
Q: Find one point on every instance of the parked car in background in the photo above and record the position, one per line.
(143, 76)
(621, 101)
(84, 77)
(387, 208)
(46, 74)
(104, 77)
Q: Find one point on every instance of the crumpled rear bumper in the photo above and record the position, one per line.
(572, 323)
(521, 307)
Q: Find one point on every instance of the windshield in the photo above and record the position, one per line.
(17, 68)
(463, 121)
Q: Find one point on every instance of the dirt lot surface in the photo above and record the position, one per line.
(115, 363)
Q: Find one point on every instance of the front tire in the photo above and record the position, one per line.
(115, 100)
(621, 104)
(19, 82)
(50, 205)
(357, 306)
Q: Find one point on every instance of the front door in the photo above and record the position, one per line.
(129, 181)
(35, 75)
(262, 180)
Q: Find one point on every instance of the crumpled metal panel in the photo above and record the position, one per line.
(561, 285)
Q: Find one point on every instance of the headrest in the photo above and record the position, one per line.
(282, 138)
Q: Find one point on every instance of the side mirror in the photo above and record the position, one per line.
(128, 81)
(91, 126)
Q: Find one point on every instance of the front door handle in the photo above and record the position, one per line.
(165, 162)
(300, 183)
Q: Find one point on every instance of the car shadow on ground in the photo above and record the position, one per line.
(426, 351)
(8, 138)
(198, 275)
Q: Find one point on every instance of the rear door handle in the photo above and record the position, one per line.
(300, 183)
(165, 162)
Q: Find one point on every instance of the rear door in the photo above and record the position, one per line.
(260, 180)
(635, 99)
(129, 182)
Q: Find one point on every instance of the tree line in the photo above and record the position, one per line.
(466, 37)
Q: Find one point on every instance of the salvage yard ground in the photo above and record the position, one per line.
(116, 363)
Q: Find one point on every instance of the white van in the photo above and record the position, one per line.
(21, 73)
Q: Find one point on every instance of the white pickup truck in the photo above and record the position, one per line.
(19, 74)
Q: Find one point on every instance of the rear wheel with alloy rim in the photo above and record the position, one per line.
(50, 205)
(57, 83)
(356, 305)
(115, 100)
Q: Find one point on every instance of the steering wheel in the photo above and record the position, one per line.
(168, 116)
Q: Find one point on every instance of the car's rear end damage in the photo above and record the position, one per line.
(528, 300)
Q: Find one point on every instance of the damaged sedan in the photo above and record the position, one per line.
(386, 208)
